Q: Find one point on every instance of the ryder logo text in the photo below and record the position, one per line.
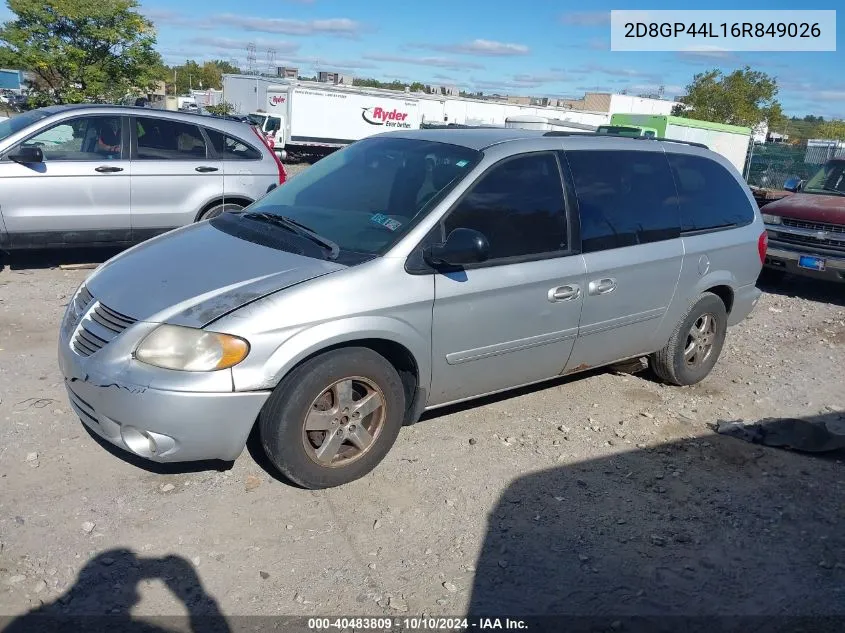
(387, 118)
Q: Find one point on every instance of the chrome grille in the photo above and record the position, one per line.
(98, 328)
(814, 226)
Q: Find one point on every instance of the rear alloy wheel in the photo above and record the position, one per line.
(215, 211)
(333, 418)
(696, 343)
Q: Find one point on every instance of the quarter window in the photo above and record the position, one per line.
(163, 139)
(710, 197)
(518, 206)
(85, 138)
(229, 148)
(625, 198)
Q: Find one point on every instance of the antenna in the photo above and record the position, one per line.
(250, 59)
(661, 91)
(271, 61)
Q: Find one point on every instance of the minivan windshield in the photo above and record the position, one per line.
(366, 196)
(19, 122)
(830, 179)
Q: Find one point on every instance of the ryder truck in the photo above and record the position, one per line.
(299, 120)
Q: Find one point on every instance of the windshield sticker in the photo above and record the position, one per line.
(462, 163)
(386, 222)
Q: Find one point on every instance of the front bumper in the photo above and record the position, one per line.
(784, 257)
(157, 424)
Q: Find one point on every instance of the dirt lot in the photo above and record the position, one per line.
(604, 493)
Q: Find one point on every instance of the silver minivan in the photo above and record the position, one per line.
(409, 271)
(98, 174)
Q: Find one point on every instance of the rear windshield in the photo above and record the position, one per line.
(19, 122)
(367, 195)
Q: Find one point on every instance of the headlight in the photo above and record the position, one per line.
(771, 219)
(188, 349)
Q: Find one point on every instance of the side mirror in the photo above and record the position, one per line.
(793, 184)
(271, 187)
(27, 155)
(463, 246)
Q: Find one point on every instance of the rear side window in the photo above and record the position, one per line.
(230, 148)
(624, 198)
(518, 206)
(709, 196)
(163, 139)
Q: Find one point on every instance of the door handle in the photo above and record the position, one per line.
(204, 170)
(107, 169)
(564, 293)
(602, 286)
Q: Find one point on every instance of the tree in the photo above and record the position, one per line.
(221, 109)
(744, 97)
(81, 50)
(191, 75)
(833, 129)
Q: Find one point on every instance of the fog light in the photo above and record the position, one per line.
(139, 442)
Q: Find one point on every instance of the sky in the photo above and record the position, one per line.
(536, 47)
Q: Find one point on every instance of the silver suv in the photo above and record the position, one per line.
(405, 272)
(91, 174)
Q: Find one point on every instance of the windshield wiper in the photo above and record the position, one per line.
(832, 190)
(295, 227)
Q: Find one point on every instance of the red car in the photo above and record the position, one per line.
(807, 229)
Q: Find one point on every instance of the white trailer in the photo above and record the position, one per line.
(731, 141)
(530, 122)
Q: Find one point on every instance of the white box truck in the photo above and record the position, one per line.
(306, 120)
(731, 141)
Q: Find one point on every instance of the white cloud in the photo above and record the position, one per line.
(435, 62)
(338, 27)
(482, 47)
(227, 43)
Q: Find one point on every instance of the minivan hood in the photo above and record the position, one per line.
(810, 207)
(196, 274)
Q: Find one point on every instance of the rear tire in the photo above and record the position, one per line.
(333, 418)
(219, 209)
(695, 345)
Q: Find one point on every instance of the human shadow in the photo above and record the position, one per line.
(52, 258)
(106, 590)
(710, 534)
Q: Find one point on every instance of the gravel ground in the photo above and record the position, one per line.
(602, 493)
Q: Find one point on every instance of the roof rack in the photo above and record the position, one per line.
(633, 138)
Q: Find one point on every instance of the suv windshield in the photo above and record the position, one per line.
(829, 179)
(367, 195)
(19, 122)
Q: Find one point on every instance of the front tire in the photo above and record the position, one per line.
(333, 418)
(696, 343)
(219, 209)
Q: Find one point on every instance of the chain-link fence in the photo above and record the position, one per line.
(772, 164)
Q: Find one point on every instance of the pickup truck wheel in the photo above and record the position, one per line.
(333, 418)
(214, 211)
(696, 343)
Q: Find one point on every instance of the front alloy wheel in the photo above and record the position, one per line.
(344, 422)
(334, 417)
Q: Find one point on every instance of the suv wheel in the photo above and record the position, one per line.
(334, 418)
(214, 211)
(696, 343)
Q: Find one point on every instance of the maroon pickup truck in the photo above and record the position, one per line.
(807, 229)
